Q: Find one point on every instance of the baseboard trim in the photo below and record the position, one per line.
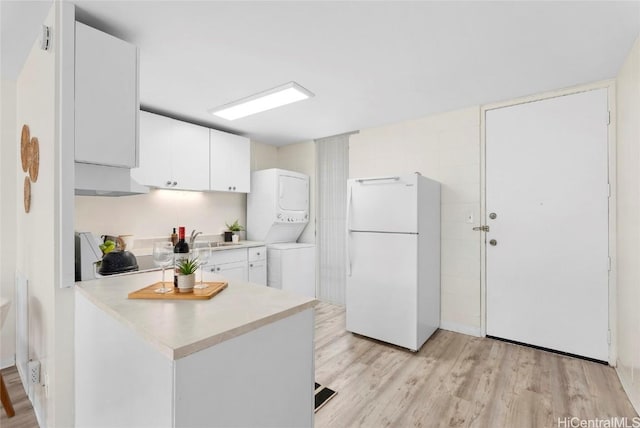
(627, 386)
(461, 328)
(8, 362)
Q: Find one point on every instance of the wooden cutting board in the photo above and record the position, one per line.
(148, 292)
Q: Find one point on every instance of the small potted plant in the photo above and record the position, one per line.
(187, 274)
(232, 234)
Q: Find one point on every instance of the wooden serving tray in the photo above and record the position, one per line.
(148, 292)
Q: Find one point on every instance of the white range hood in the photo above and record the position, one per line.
(101, 180)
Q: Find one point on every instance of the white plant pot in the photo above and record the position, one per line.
(186, 282)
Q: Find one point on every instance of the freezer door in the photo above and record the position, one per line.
(385, 204)
(381, 289)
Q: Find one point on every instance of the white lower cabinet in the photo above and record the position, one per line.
(258, 265)
(258, 272)
(236, 270)
(246, 264)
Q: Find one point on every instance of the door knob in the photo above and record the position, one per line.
(493, 216)
(493, 242)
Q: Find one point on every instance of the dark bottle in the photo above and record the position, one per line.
(181, 253)
(174, 237)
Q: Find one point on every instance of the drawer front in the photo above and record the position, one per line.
(228, 256)
(257, 253)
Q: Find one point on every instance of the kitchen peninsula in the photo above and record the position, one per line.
(243, 358)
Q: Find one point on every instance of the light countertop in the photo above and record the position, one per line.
(178, 328)
(143, 248)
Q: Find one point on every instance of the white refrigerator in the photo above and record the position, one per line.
(393, 259)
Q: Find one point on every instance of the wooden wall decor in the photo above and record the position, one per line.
(30, 160)
(34, 166)
(25, 142)
(27, 195)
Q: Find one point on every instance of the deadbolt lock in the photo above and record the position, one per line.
(493, 216)
(493, 242)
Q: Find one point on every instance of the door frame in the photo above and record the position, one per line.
(611, 97)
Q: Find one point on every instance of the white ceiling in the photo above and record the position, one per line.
(368, 63)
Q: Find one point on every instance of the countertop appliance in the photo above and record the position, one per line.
(290, 266)
(393, 259)
(88, 260)
(278, 205)
(277, 213)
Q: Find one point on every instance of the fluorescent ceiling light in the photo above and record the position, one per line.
(276, 97)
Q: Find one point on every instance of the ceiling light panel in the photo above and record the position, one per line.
(267, 100)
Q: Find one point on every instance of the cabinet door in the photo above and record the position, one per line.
(227, 271)
(106, 99)
(230, 162)
(155, 151)
(173, 154)
(258, 272)
(256, 253)
(190, 144)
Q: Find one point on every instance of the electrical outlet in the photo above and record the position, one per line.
(34, 372)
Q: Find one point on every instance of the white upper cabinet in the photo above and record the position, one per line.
(173, 154)
(230, 162)
(106, 99)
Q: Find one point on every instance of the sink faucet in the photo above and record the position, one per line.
(193, 237)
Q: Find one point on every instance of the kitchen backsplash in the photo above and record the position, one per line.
(155, 214)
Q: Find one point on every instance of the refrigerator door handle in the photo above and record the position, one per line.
(348, 250)
(394, 178)
(348, 222)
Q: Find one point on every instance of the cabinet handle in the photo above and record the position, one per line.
(218, 269)
(229, 187)
(234, 187)
(175, 183)
(168, 183)
(251, 265)
(258, 253)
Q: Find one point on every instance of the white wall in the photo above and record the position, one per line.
(9, 139)
(445, 147)
(628, 233)
(49, 315)
(263, 156)
(301, 157)
(154, 215)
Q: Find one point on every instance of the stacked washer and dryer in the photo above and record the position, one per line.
(277, 213)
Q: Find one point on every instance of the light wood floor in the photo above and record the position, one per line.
(24, 417)
(454, 381)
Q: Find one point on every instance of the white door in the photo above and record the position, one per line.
(547, 183)
(383, 204)
(381, 290)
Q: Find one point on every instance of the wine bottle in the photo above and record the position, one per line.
(181, 253)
